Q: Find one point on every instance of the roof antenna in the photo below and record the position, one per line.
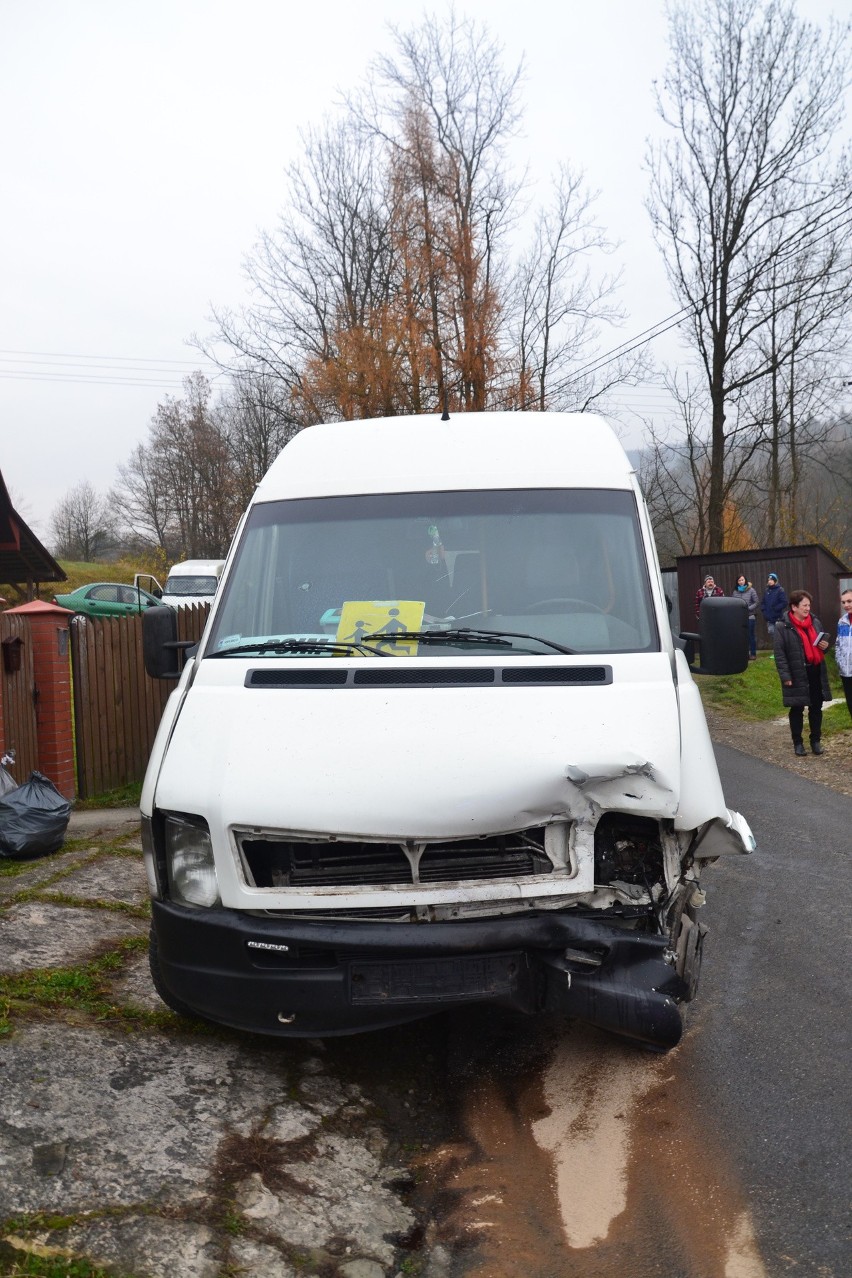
(445, 416)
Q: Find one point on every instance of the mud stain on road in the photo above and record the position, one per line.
(493, 1199)
(683, 1183)
(587, 1162)
(591, 1095)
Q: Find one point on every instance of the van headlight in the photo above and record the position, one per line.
(190, 864)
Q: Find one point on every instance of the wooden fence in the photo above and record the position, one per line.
(117, 707)
(18, 692)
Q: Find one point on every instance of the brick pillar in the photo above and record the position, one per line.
(52, 674)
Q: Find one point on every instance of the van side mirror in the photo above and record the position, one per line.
(162, 651)
(722, 637)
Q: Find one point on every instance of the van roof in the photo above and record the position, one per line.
(197, 568)
(472, 450)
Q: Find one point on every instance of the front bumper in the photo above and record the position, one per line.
(340, 977)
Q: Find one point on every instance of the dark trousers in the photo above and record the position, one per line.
(752, 635)
(797, 713)
(846, 680)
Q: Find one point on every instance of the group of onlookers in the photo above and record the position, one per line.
(800, 645)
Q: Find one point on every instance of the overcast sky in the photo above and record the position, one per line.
(143, 147)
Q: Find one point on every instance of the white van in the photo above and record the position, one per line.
(195, 581)
(437, 744)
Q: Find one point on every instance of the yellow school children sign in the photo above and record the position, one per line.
(384, 619)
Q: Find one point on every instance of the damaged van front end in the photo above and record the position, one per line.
(359, 811)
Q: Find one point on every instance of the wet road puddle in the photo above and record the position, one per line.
(581, 1157)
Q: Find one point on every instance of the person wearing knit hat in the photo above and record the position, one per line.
(704, 592)
(774, 602)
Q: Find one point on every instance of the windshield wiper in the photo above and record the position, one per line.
(297, 645)
(465, 635)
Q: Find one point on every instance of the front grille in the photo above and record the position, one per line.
(282, 863)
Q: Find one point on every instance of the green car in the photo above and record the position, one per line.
(107, 599)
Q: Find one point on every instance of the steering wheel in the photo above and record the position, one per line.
(584, 604)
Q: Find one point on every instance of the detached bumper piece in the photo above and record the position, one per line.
(302, 978)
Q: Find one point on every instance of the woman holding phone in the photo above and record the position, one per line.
(800, 647)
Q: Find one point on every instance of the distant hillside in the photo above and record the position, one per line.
(80, 574)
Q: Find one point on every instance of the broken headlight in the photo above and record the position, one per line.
(190, 864)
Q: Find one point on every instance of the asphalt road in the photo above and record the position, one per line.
(729, 1157)
(772, 1062)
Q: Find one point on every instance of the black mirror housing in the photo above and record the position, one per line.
(723, 636)
(160, 647)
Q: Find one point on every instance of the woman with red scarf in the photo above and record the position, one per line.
(800, 663)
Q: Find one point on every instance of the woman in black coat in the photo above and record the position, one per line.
(800, 663)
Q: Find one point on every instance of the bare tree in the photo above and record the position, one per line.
(378, 289)
(255, 417)
(194, 460)
(560, 304)
(755, 96)
(323, 270)
(388, 285)
(805, 342)
(82, 524)
(825, 488)
(445, 107)
(143, 504)
(179, 489)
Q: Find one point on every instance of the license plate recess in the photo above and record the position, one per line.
(436, 980)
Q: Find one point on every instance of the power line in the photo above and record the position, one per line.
(58, 363)
(839, 222)
(80, 380)
(124, 359)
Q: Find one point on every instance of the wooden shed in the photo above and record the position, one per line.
(811, 568)
(24, 561)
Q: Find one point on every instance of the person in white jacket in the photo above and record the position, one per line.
(843, 645)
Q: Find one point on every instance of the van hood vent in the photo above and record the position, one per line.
(429, 677)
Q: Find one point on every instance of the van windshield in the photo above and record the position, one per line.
(191, 586)
(564, 565)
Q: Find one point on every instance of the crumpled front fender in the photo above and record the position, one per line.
(718, 837)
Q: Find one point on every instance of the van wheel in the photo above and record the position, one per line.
(174, 1004)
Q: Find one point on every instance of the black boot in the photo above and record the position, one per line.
(798, 748)
(816, 746)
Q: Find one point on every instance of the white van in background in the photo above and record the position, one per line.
(194, 581)
(437, 744)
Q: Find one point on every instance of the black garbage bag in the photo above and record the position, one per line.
(33, 819)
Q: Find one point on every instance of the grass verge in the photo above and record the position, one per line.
(83, 989)
(755, 694)
(126, 796)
